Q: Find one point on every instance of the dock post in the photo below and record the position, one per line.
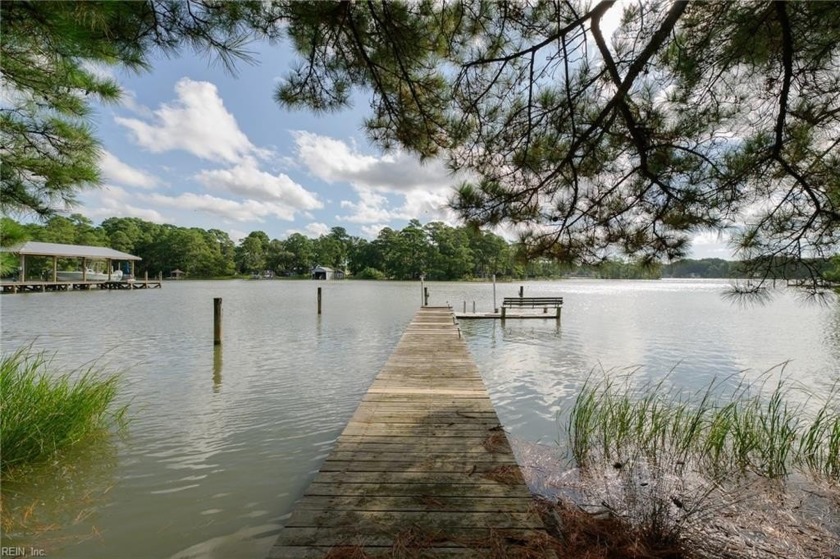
(319, 300)
(503, 312)
(465, 307)
(521, 291)
(217, 321)
(495, 308)
(425, 296)
(473, 307)
(423, 302)
(146, 277)
(558, 313)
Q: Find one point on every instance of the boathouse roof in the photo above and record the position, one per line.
(33, 248)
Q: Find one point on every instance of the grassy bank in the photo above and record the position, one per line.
(731, 470)
(44, 413)
(751, 428)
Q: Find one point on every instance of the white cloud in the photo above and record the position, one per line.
(248, 210)
(335, 161)
(429, 206)
(250, 182)
(372, 231)
(710, 244)
(424, 187)
(425, 205)
(115, 170)
(317, 229)
(113, 201)
(196, 122)
(330, 159)
(99, 70)
(130, 102)
(236, 235)
(370, 208)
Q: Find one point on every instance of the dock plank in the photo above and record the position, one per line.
(422, 464)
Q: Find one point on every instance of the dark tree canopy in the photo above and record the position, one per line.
(721, 116)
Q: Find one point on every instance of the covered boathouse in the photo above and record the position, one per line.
(325, 273)
(47, 278)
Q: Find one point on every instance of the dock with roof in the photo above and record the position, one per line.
(50, 278)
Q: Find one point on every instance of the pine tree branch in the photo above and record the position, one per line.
(787, 65)
(560, 33)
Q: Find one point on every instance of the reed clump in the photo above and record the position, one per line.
(43, 413)
(749, 429)
(731, 470)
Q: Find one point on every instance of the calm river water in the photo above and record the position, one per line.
(221, 443)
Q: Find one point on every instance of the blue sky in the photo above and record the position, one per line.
(194, 146)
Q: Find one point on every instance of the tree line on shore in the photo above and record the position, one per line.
(688, 117)
(436, 250)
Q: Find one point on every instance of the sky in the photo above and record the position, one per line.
(195, 146)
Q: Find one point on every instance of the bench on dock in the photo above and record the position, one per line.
(543, 303)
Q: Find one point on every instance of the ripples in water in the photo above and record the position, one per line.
(221, 443)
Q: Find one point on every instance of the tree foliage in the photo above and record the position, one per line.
(691, 117)
(436, 250)
(55, 60)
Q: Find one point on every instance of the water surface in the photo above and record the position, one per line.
(221, 443)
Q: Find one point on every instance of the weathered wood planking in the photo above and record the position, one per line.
(423, 468)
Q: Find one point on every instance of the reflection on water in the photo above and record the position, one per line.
(222, 441)
(217, 368)
(680, 331)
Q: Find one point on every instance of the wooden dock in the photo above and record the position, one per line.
(423, 469)
(45, 286)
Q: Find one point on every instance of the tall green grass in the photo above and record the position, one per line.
(42, 413)
(753, 428)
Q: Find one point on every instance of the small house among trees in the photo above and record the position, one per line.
(325, 273)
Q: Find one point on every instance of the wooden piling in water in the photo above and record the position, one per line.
(495, 308)
(319, 300)
(217, 321)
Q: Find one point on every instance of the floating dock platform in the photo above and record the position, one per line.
(513, 309)
(506, 316)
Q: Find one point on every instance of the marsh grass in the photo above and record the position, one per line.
(673, 467)
(756, 428)
(44, 413)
